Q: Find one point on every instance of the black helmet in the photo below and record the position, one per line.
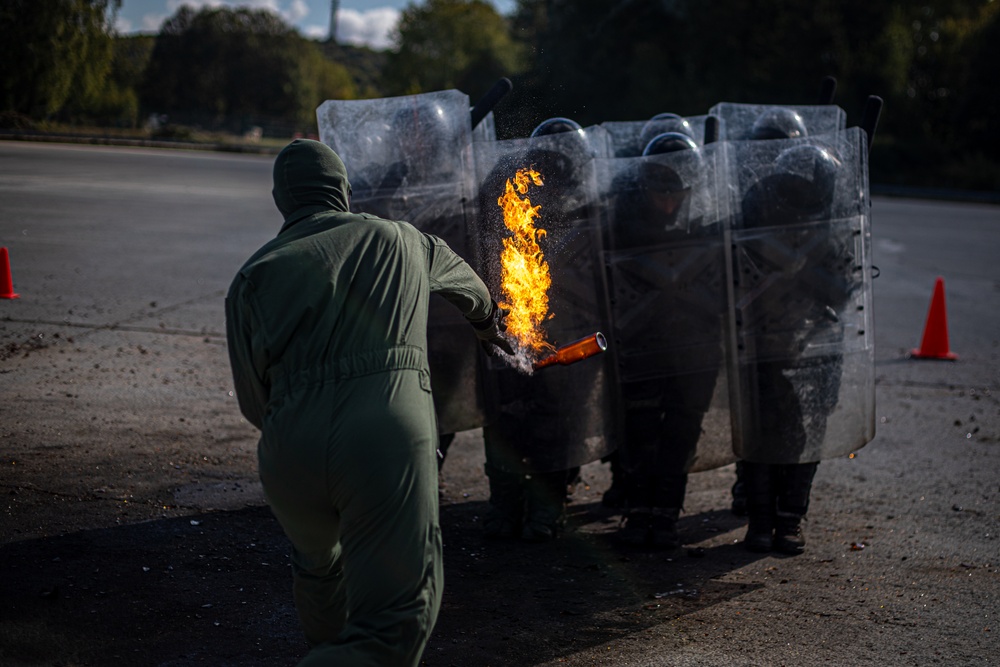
(423, 119)
(662, 123)
(565, 136)
(555, 126)
(666, 183)
(668, 142)
(779, 123)
(804, 179)
(423, 136)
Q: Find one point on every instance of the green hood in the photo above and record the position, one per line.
(309, 178)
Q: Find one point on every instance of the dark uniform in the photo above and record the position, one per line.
(666, 265)
(327, 331)
(800, 272)
(542, 427)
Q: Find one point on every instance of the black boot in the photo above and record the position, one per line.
(545, 496)
(788, 537)
(444, 442)
(636, 529)
(663, 530)
(503, 519)
(794, 484)
(668, 498)
(614, 497)
(760, 507)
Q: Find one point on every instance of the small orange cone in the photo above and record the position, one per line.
(935, 342)
(6, 284)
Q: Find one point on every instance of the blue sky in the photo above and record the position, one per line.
(359, 21)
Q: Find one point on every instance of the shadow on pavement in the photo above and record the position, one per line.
(512, 603)
(215, 589)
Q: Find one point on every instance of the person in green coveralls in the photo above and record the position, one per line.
(327, 333)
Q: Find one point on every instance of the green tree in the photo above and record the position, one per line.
(365, 65)
(445, 44)
(977, 109)
(239, 67)
(932, 62)
(53, 52)
(594, 61)
(121, 102)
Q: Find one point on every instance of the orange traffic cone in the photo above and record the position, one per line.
(935, 341)
(6, 284)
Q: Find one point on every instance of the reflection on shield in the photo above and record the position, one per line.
(409, 158)
(562, 416)
(666, 261)
(801, 315)
(738, 120)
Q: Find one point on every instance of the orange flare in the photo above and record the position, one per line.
(576, 351)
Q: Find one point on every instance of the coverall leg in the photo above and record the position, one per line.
(349, 469)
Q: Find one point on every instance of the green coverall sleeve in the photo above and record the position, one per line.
(248, 377)
(454, 279)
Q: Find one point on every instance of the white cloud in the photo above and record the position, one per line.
(370, 28)
(291, 12)
(315, 31)
(297, 11)
(153, 22)
(174, 5)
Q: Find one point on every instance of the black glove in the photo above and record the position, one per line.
(489, 331)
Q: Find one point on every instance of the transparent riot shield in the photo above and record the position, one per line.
(763, 121)
(629, 138)
(486, 130)
(410, 158)
(558, 417)
(801, 318)
(665, 222)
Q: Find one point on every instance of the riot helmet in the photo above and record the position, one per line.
(804, 180)
(779, 123)
(669, 142)
(664, 193)
(424, 136)
(573, 139)
(556, 125)
(662, 123)
(555, 165)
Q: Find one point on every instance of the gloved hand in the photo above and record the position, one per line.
(490, 331)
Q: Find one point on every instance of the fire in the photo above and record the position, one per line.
(524, 274)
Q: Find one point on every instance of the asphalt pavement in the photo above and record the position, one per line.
(124, 255)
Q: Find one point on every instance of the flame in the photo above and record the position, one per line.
(524, 274)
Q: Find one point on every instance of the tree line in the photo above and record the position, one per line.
(589, 60)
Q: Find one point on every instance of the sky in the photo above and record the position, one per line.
(360, 22)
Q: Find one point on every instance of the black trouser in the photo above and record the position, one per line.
(662, 427)
(778, 489)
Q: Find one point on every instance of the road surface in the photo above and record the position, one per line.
(133, 529)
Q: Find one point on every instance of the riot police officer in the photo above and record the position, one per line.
(668, 289)
(802, 269)
(541, 427)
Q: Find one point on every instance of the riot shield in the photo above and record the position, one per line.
(559, 417)
(665, 220)
(409, 158)
(761, 121)
(628, 138)
(801, 317)
(486, 130)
